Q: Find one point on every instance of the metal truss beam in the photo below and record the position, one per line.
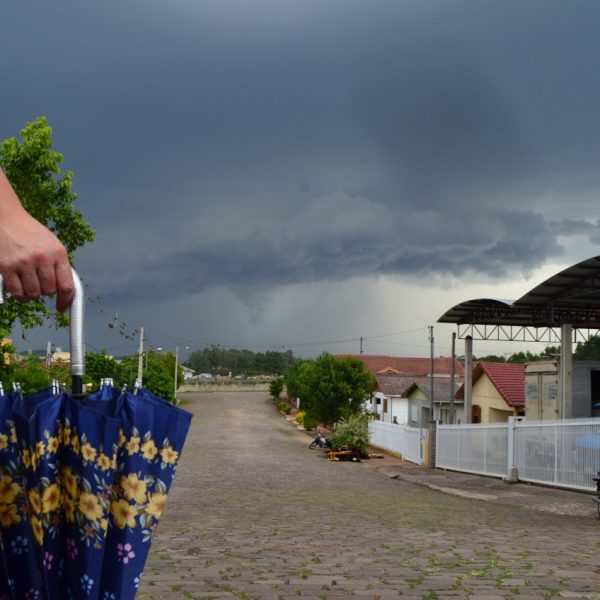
(519, 333)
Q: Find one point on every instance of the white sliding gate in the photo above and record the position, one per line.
(559, 453)
(473, 448)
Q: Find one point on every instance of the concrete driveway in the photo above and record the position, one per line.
(255, 514)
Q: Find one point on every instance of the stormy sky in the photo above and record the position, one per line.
(297, 174)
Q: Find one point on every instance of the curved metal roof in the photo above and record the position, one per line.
(571, 296)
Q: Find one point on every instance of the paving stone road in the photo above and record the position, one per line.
(254, 514)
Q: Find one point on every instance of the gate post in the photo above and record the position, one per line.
(432, 446)
(512, 475)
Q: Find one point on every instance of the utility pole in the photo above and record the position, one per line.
(48, 354)
(361, 346)
(176, 361)
(141, 356)
(431, 405)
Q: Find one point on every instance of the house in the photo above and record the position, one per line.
(419, 403)
(6, 355)
(395, 374)
(389, 402)
(401, 365)
(188, 373)
(498, 392)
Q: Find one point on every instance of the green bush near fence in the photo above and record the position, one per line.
(284, 407)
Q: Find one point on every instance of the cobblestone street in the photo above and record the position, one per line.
(255, 514)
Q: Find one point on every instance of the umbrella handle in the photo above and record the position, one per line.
(76, 332)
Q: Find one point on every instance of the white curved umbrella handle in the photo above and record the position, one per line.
(76, 332)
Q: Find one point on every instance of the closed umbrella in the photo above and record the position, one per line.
(82, 488)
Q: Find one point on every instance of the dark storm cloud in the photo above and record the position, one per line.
(228, 143)
(337, 237)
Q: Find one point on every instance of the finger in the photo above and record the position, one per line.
(31, 284)
(65, 287)
(47, 277)
(13, 286)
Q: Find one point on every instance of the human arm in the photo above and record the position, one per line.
(33, 262)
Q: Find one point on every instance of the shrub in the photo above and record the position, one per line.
(352, 430)
(284, 407)
(300, 417)
(276, 387)
(309, 423)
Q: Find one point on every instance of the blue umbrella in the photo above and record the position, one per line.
(151, 439)
(82, 484)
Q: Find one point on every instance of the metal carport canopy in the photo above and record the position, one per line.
(569, 297)
(569, 300)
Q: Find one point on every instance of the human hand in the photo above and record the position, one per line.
(33, 262)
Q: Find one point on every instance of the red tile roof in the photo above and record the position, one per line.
(406, 366)
(508, 379)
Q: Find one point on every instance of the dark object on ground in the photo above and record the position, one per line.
(320, 442)
(596, 497)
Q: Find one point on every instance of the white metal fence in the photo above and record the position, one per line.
(407, 441)
(560, 453)
(473, 448)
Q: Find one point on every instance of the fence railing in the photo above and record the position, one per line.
(559, 453)
(562, 453)
(473, 448)
(403, 440)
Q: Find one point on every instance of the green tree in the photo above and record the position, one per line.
(158, 373)
(276, 387)
(98, 365)
(240, 362)
(589, 350)
(33, 169)
(330, 388)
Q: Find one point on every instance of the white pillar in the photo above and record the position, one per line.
(566, 371)
(468, 378)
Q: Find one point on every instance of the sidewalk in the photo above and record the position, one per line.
(490, 489)
(478, 487)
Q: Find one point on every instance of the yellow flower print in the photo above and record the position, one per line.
(113, 462)
(123, 513)
(88, 452)
(8, 489)
(35, 502)
(53, 444)
(69, 481)
(8, 515)
(13, 435)
(122, 438)
(134, 488)
(26, 456)
(69, 509)
(149, 450)
(156, 504)
(103, 461)
(104, 524)
(40, 449)
(38, 529)
(66, 436)
(90, 507)
(75, 444)
(3, 441)
(34, 459)
(169, 455)
(133, 445)
(50, 498)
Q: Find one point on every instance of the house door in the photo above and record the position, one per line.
(476, 413)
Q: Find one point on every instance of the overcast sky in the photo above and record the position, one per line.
(278, 174)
